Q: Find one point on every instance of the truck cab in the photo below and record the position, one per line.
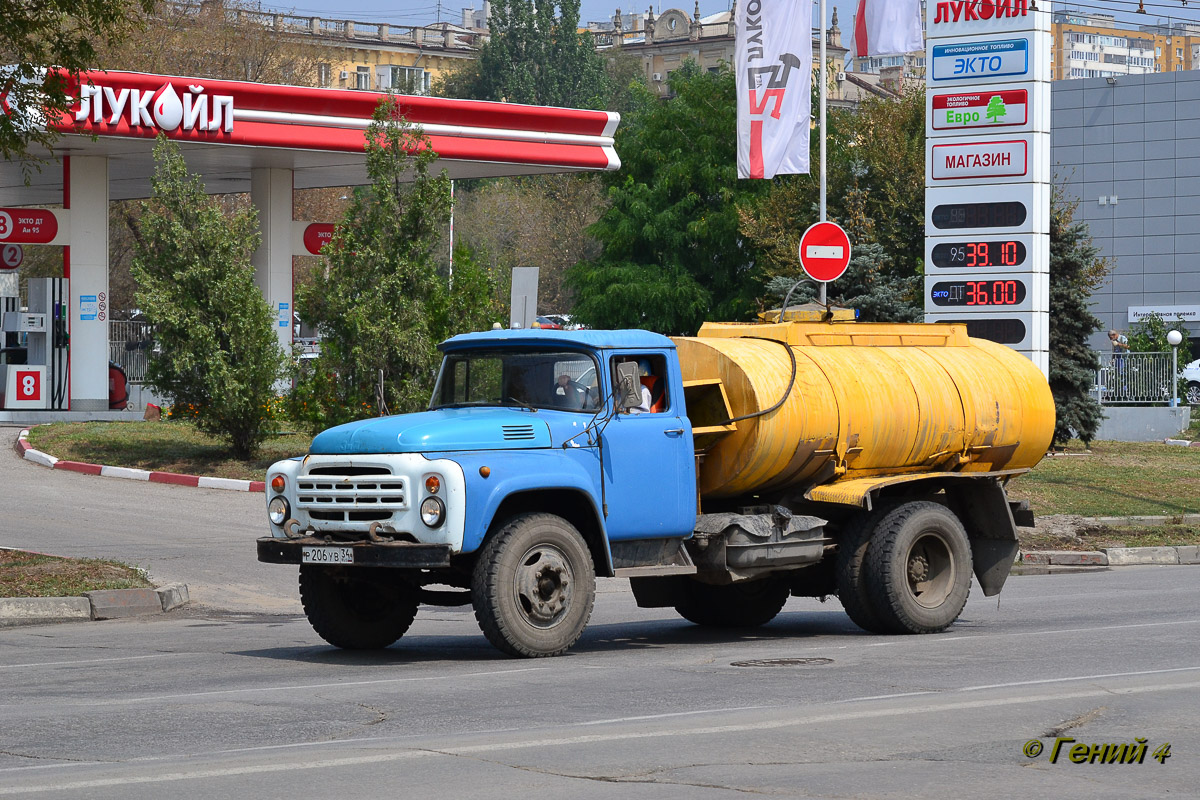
(523, 426)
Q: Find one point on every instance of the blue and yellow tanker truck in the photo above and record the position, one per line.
(721, 474)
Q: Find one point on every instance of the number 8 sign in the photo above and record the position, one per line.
(26, 387)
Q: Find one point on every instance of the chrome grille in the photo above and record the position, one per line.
(351, 494)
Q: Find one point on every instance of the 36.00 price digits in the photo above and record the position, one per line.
(992, 293)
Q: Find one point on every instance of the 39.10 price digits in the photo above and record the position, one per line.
(978, 293)
(996, 253)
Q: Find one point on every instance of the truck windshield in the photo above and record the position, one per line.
(525, 378)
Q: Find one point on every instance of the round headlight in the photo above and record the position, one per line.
(278, 510)
(433, 512)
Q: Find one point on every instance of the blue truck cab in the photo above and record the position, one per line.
(538, 466)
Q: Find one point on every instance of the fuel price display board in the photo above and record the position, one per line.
(987, 175)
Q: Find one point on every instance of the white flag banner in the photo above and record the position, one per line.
(773, 62)
(888, 27)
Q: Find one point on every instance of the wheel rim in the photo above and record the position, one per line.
(929, 570)
(1193, 394)
(544, 585)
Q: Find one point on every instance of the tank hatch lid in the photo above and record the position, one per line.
(810, 312)
(843, 334)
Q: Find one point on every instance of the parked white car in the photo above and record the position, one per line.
(1191, 374)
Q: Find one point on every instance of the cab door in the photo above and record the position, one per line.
(649, 468)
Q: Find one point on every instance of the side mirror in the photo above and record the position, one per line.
(629, 386)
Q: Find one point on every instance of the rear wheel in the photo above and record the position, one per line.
(356, 609)
(852, 576)
(920, 568)
(1193, 394)
(534, 586)
(735, 605)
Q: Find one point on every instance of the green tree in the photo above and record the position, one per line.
(535, 57)
(378, 301)
(673, 256)
(1075, 272)
(50, 33)
(219, 358)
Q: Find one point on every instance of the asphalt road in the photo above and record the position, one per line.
(247, 701)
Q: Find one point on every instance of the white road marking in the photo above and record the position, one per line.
(87, 661)
(297, 687)
(801, 718)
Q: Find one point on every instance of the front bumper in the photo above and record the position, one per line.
(366, 554)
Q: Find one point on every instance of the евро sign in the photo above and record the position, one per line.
(27, 225)
(825, 251)
(955, 111)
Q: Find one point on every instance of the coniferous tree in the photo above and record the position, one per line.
(380, 304)
(1075, 271)
(219, 359)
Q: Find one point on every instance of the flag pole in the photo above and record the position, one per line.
(824, 85)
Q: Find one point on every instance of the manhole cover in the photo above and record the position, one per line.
(783, 662)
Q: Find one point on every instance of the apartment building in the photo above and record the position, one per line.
(1088, 45)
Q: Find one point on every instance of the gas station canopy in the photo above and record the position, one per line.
(228, 128)
(264, 139)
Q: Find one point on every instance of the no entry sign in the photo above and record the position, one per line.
(825, 251)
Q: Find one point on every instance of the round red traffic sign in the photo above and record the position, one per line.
(11, 256)
(825, 251)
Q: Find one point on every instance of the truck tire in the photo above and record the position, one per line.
(853, 582)
(735, 605)
(919, 568)
(534, 586)
(356, 609)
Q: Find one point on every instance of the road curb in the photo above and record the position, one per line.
(26, 451)
(1110, 557)
(98, 605)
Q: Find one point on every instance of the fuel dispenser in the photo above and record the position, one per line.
(41, 381)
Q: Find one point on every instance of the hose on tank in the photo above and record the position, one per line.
(786, 392)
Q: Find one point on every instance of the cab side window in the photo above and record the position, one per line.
(652, 378)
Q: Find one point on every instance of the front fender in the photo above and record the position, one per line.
(512, 472)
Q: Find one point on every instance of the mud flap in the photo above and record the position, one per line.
(983, 508)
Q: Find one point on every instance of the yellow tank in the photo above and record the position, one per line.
(869, 400)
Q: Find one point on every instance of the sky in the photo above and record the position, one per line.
(423, 12)
(420, 12)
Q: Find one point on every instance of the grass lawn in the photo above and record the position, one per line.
(174, 446)
(25, 574)
(1114, 479)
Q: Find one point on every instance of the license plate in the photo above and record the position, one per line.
(326, 555)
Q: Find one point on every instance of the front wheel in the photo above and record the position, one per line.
(534, 586)
(920, 568)
(356, 609)
(735, 605)
(1193, 394)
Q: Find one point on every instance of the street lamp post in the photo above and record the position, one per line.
(1174, 338)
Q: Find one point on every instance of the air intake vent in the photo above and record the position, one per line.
(517, 432)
